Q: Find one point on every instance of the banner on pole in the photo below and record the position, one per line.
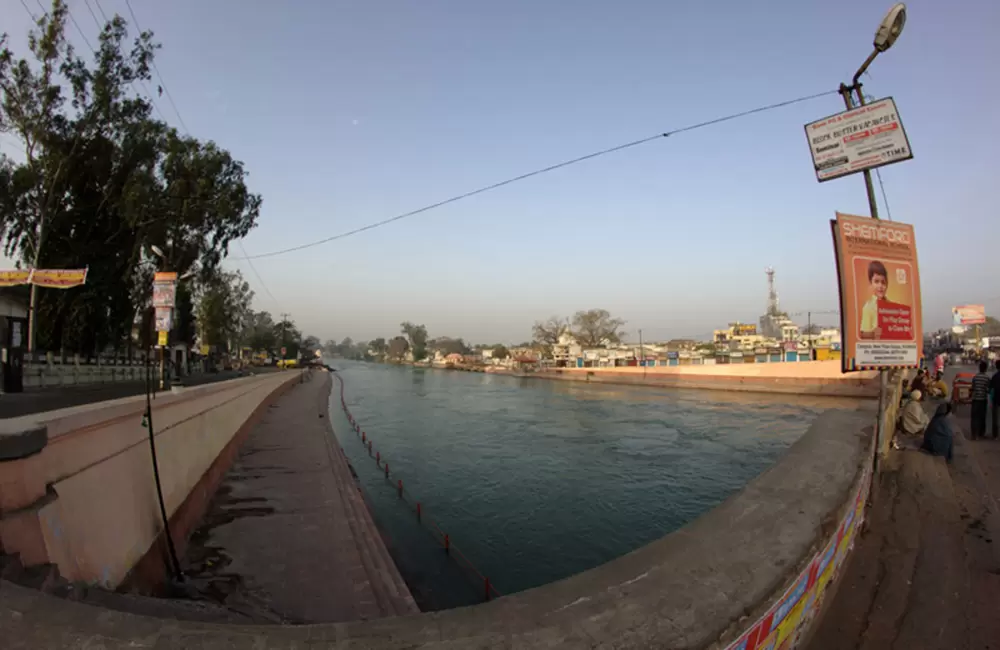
(49, 278)
(164, 319)
(879, 293)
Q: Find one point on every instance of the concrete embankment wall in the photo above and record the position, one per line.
(802, 378)
(77, 488)
(751, 571)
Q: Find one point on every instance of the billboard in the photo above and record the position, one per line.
(862, 138)
(968, 315)
(744, 329)
(879, 293)
(49, 278)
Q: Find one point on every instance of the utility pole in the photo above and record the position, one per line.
(284, 336)
(642, 355)
(809, 331)
(887, 33)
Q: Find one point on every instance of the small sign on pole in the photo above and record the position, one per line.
(164, 319)
(862, 138)
(284, 351)
(163, 338)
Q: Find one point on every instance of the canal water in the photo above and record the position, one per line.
(535, 480)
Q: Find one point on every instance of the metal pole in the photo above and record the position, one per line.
(809, 329)
(642, 355)
(883, 378)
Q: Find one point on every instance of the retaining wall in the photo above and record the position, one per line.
(77, 488)
(751, 571)
(802, 378)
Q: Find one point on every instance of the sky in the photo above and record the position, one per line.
(348, 113)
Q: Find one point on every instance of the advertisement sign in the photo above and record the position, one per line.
(164, 293)
(862, 138)
(49, 278)
(879, 293)
(744, 329)
(968, 315)
(164, 319)
(162, 340)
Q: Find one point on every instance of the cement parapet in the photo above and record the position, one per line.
(699, 587)
(802, 378)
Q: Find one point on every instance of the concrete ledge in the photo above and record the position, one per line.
(15, 445)
(731, 573)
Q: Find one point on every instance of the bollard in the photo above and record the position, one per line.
(364, 436)
(400, 488)
(418, 511)
(447, 543)
(369, 447)
(487, 581)
(378, 457)
(387, 470)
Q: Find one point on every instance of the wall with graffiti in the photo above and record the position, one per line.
(787, 622)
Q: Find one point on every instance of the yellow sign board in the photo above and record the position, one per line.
(51, 278)
(163, 338)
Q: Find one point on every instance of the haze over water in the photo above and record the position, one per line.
(535, 480)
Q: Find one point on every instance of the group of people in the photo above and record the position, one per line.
(938, 433)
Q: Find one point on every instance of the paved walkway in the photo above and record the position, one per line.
(288, 537)
(926, 574)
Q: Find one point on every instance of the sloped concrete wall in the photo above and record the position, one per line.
(747, 573)
(85, 498)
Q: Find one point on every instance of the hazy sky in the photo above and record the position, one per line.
(347, 113)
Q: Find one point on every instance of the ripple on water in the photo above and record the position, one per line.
(536, 480)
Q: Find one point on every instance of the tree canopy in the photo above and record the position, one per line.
(99, 181)
(596, 327)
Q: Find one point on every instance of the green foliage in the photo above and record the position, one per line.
(397, 348)
(100, 181)
(224, 312)
(416, 335)
(500, 352)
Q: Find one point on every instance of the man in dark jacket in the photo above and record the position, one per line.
(980, 401)
(995, 394)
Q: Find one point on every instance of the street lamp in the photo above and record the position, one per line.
(885, 36)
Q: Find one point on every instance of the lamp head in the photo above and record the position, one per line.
(890, 28)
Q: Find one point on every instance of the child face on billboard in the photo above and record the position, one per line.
(880, 284)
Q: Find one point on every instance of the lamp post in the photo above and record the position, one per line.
(885, 36)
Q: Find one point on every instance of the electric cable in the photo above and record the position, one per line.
(543, 170)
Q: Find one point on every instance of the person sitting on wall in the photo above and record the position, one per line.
(940, 436)
(920, 381)
(937, 388)
(914, 420)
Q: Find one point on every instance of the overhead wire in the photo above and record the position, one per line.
(156, 69)
(180, 119)
(543, 170)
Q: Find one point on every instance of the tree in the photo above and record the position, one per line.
(101, 181)
(547, 333)
(379, 348)
(224, 309)
(262, 335)
(309, 346)
(990, 328)
(397, 348)
(596, 327)
(500, 351)
(448, 346)
(417, 337)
